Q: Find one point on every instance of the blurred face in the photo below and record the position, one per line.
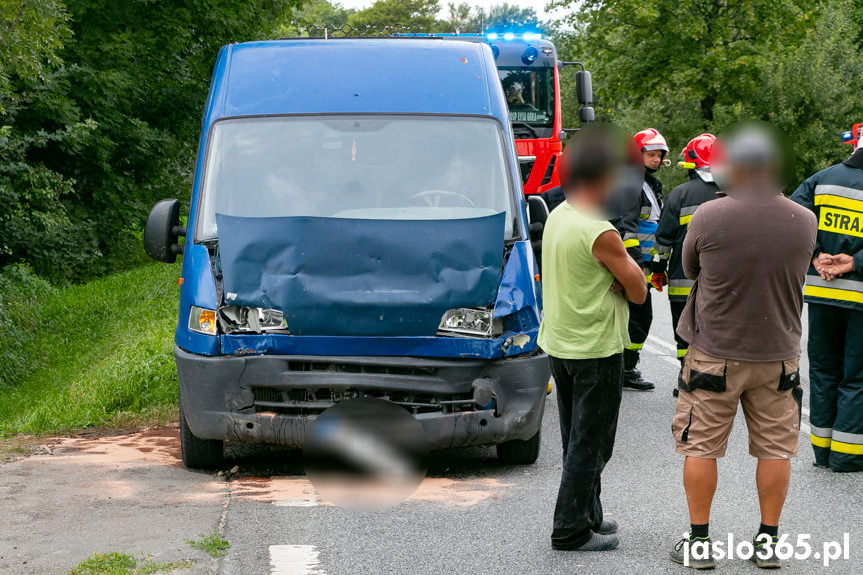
(594, 193)
(652, 159)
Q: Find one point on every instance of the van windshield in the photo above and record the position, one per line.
(364, 166)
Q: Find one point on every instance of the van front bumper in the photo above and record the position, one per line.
(275, 398)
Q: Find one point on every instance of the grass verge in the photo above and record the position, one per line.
(212, 544)
(100, 354)
(122, 564)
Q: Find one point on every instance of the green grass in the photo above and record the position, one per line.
(212, 544)
(121, 564)
(100, 354)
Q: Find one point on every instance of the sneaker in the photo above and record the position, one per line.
(607, 527)
(700, 553)
(765, 554)
(597, 542)
(633, 380)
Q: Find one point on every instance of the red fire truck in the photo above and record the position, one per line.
(530, 73)
(851, 137)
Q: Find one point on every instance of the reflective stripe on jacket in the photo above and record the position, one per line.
(680, 205)
(835, 195)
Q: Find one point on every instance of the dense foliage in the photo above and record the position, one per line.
(100, 106)
(689, 66)
(423, 15)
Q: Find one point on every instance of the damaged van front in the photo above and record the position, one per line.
(356, 229)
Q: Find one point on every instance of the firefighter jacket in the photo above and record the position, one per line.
(679, 206)
(639, 232)
(836, 197)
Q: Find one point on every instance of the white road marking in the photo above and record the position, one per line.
(662, 343)
(294, 560)
(670, 359)
(305, 502)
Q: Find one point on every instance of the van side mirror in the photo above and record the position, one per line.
(537, 210)
(162, 231)
(537, 214)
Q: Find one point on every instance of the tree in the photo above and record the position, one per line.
(419, 13)
(315, 13)
(509, 17)
(37, 223)
(101, 104)
(688, 66)
(460, 18)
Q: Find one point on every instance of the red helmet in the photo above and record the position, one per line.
(650, 139)
(696, 154)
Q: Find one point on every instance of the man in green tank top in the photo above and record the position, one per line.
(587, 279)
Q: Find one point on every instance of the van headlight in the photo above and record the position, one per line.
(472, 322)
(202, 320)
(233, 319)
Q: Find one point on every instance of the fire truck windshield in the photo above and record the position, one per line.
(358, 166)
(530, 97)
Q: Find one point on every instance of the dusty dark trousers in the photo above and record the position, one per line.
(640, 318)
(676, 310)
(588, 401)
(836, 386)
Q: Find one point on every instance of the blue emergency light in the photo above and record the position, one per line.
(847, 136)
(526, 36)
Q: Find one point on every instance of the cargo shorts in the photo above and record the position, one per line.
(710, 389)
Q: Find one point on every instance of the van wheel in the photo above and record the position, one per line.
(198, 453)
(519, 451)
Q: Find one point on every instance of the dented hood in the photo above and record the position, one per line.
(361, 277)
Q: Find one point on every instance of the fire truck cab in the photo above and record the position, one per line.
(530, 74)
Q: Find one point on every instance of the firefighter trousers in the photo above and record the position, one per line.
(676, 311)
(640, 318)
(836, 386)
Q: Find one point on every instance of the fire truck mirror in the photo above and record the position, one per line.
(586, 114)
(584, 87)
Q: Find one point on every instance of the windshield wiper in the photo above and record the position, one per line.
(526, 126)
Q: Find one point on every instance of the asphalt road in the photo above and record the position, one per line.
(471, 515)
(507, 530)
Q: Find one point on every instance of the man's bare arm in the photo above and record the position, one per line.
(609, 251)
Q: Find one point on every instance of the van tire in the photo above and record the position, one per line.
(198, 453)
(518, 451)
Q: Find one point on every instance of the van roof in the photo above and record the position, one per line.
(381, 75)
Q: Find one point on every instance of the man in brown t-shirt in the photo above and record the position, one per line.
(749, 253)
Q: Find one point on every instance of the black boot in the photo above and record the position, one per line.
(631, 376)
(633, 380)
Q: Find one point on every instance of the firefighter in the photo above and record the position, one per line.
(679, 206)
(834, 292)
(640, 219)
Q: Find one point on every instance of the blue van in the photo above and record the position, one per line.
(356, 228)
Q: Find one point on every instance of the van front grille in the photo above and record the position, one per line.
(308, 401)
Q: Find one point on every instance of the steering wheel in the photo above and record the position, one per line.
(433, 199)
